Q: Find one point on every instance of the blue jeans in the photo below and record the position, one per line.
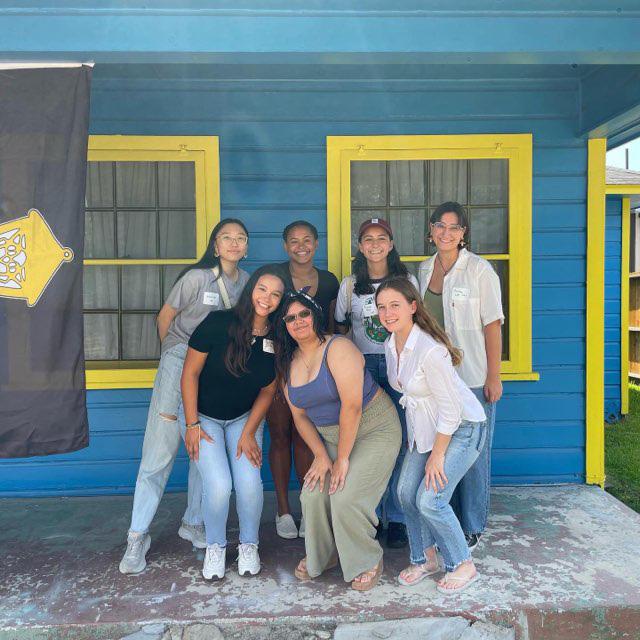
(471, 499)
(221, 471)
(160, 447)
(430, 518)
(390, 508)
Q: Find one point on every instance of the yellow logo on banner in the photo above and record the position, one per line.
(30, 255)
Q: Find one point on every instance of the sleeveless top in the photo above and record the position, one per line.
(320, 398)
(434, 305)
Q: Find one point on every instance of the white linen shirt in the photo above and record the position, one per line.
(471, 300)
(435, 399)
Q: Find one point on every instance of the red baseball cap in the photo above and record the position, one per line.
(373, 222)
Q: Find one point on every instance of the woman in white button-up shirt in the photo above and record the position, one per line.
(463, 291)
(446, 431)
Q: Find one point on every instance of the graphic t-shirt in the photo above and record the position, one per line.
(368, 333)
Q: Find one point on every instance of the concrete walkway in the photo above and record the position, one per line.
(557, 562)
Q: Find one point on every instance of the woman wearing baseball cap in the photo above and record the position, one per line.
(376, 260)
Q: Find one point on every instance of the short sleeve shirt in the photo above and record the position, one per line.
(368, 333)
(327, 292)
(194, 296)
(221, 395)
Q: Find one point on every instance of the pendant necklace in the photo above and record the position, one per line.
(445, 271)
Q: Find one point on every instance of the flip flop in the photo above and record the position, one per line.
(303, 574)
(420, 571)
(465, 583)
(365, 586)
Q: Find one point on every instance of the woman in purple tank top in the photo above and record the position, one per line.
(353, 431)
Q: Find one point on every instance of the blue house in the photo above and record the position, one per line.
(332, 111)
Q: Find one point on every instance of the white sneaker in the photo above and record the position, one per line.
(286, 527)
(214, 562)
(302, 529)
(248, 559)
(194, 533)
(134, 560)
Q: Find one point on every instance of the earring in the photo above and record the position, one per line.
(216, 254)
(245, 255)
(462, 244)
(429, 239)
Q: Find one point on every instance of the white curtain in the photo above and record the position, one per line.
(144, 194)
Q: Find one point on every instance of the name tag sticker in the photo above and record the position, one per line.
(210, 298)
(460, 293)
(267, 345)
(369, 308)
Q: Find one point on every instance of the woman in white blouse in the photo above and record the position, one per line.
(446, 429)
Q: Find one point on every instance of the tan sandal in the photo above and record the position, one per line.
(302, 574)
(416, 573)
(462, 583)
(374, 573)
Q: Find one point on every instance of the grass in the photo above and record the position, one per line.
(622, 454)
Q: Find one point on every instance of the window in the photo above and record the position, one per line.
(404, 178)
(150, 205)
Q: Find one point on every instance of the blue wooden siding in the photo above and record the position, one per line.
(612, 273)
(273, 170)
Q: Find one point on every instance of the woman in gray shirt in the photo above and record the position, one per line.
(214, 282)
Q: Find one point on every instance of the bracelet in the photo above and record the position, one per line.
(193, 425)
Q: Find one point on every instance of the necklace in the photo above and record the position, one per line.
(258, 333)
(304, 360)
(445, 271)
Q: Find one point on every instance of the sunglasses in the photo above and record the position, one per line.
(292, 317)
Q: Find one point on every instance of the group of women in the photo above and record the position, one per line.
(385, 386)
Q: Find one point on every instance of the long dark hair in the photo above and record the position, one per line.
(285, 344)
(421, 316)
(359, 269)
(209, 259)
(241, 327)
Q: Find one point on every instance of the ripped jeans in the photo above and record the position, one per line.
(430, 518)
(161, 442)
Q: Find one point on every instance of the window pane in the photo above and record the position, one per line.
(409, 231)
(489, 231)
(412, 268)
(141, 288)
(368, 184)
(136, 184)
(100, 336)
(99, 191)
(137, 231)
(489, 181)
(170, 274)
(502, 269)
(176, 184)
(100, 287)
(357, 218)
(447, 181)
(99, 234)
(177, 234)
(140, 337)
(406, 183)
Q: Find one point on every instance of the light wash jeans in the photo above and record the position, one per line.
(471, 498)
(430, 518)
(160, 447)
(390, 508)
(221, 471)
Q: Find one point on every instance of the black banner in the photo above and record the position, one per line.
(44, 116)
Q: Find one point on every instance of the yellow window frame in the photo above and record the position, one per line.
(516, 148)
(203, 151)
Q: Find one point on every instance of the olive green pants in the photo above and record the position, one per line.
(346, 521)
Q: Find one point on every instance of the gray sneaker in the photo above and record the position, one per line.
(194, 533)
(134, 560)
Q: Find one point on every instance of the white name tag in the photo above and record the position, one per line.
(211, 298)
(460, 293)
(267, 345)
(369, 308)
